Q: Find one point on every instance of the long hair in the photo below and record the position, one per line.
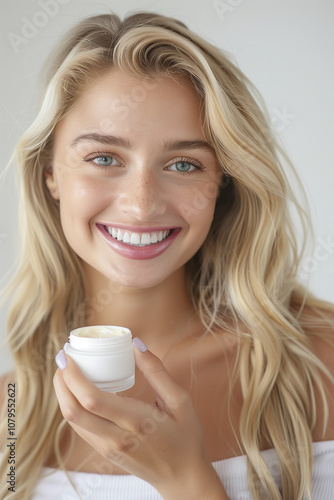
(244, 275)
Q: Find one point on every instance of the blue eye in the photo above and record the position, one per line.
(183, 166)
(105, 161)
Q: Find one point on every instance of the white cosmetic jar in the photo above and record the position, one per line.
(105, 356)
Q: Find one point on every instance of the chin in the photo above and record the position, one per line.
(135, 281)
(138, 284)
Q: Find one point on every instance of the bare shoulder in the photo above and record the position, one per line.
(320, 331)
(321, 334)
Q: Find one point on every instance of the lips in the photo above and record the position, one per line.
(143, 244)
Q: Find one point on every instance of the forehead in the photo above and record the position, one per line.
(132, 104)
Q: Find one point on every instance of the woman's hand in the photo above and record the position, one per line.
(162, 443)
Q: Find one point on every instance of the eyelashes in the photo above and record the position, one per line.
(183, 165)
(187, 162)
(104, 156)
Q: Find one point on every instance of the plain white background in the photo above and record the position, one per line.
(284, 46)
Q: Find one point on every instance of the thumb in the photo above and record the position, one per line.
(173, 395)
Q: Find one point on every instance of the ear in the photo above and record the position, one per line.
(226, 181)
(51, 182)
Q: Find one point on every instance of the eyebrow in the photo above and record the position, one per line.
(193, 144)
(102, 139)
(125, 143)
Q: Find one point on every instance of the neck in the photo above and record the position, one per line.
(159, 315)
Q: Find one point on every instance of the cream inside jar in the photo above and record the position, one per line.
(104, 353)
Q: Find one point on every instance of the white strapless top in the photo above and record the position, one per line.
(54, 484)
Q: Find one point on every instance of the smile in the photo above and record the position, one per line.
(138, 245)
(137, 239)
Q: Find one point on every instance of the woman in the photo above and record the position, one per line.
(153, 197)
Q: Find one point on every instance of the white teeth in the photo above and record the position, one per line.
(154, 238)
(137, 239)
(126, 237)
(145, 239)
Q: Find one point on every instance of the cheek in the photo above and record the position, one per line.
(198, 205)
(81, 200)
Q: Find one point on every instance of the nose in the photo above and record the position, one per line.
(142, 195)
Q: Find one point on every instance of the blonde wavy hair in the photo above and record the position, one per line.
(245, 274)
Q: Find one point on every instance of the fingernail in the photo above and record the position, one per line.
(61, 359)
(137, 342)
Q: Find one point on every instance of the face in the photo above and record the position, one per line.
(135, 178)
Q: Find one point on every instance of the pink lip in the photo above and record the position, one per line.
(139, 253)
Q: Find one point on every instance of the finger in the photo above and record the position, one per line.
(73, 411)
(104, 436)
(174, 397)
(86, 393)
(126, 413)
